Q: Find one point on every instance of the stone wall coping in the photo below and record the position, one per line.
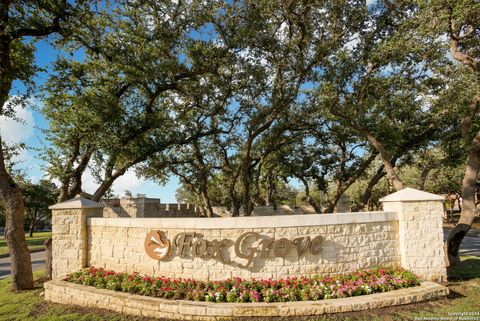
(76, 202)
(410, 195)
(69, 293)
(277, 221)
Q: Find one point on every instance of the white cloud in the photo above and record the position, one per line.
(23, 160)
(13, 131)
(128, 181)
(88, 182)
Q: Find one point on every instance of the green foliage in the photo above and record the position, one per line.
(238, 98)
(35, 242)
(125, 103)
(37, 198)
(257, 102)
(443, 179)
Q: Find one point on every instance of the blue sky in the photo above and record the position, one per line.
(29, 132)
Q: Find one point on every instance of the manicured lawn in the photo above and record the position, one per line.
(475, 225)
(464, 297)
(30, 306)
(35, 242)
(456, 216)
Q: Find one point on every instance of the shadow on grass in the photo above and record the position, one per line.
(452, 295)
(468, 269)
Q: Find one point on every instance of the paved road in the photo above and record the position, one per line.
(38, 263)
(470, 246)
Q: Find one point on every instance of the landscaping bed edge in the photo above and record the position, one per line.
(60, 291)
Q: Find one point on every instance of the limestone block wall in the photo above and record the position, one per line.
(350, 242)
(67, 238)
(421, 237)
(69, 233)
(408, 233)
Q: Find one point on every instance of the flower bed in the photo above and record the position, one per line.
(380, 279)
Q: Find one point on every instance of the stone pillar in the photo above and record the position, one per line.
(420, 232)
(69, 234)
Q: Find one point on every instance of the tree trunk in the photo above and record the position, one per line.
(203, 179)
(271, 190)
(72, 185)
(69, 192)
(331, 205)
(76, 187)
(48, 253)
(235, 209)
(108, 180)
(102, 189)
(206, 203)
(246, 198)
(203, 211)
(63, 196)
(10, 194)
(48, 263)
(234, 203)
(367, 194)
(423, 176)
(389, 168)
(310, 199)
(30, 230)
(247, 204)
(314, 204)
(33, 222)
(12, 199)
(267, 192)
(469, 209)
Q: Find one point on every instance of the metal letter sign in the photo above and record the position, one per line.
(155, 247)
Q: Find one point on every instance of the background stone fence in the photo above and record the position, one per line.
(152, 207)
(408, 233)
(147, 207)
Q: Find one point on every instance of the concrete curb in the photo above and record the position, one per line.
(69, 293)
